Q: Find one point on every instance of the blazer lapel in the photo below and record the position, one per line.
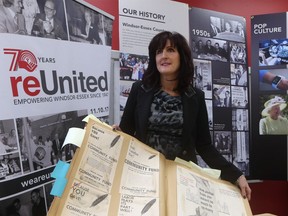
(145, 100)
(189, 114)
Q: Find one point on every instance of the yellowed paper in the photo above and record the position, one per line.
(114, 174)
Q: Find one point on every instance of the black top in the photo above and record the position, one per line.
(165, 125)
(195, 128)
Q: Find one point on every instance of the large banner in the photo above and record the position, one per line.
(269, 96)
(218, 44)
(47, 87)
(40, 77)
(141, 20)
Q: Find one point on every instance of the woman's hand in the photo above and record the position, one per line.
(244, 187)
(116, 127)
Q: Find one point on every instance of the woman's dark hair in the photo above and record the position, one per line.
(151, 77)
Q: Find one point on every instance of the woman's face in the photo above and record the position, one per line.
(275, 111)
(168, 60)
(227, 26)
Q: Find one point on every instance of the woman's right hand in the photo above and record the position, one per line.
(116, 127)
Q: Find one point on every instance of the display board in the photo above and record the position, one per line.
(53, 73)
(218, 45)
(269, 74)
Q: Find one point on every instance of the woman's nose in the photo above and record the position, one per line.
(164, 54)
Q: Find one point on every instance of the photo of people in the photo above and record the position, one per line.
(47, 19)
(273, 115)
(12, 19)
(218, 25)
(8, 137)
(29, 203)
(223, 141)
(215, 26)
(239, 74)
(87, 25)
(239, 97)
(203, 76)
(50, 22)
(210, 49)
(227, 29)
(41, 138)
(10, 166)
(221, 96)
(237, 53)
(273, 52)
(132, 67)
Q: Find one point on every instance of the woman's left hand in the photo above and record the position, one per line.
(244, 187)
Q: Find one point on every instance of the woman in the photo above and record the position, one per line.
(228, 27)
(272, 121)
(166, 112)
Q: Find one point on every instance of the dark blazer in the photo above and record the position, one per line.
(93, 34)
(55, 148)
(195, 136)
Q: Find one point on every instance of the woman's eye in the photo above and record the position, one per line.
(159, 52)
(171, 49)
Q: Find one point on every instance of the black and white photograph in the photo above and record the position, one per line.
(8, 137)
(47, 19)
(41, 138)
(210, 49)
(238, 53)
(273, 52)
(132, 67)
(227, 29)
(221, 95)
(210, 113)
(239, 74)
(240, 120)
(203, 76)
(10, 166)
(88, 25)
(223, 141)
(39, 18)
(241, 151)
(232, 30)
(239, 97)
(16, 23)
(50, 22)
(29, 203)
(215, 24)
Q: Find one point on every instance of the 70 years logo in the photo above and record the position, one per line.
(76, 82)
